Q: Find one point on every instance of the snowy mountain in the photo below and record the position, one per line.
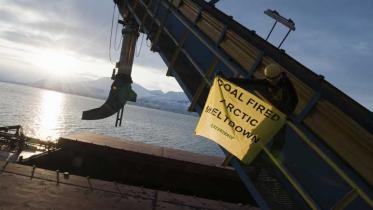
(99, 88)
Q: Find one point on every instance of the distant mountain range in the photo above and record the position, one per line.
(99, 88)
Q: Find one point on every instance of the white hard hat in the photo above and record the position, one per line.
(272, 71)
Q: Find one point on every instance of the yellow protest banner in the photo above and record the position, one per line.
(237, 120)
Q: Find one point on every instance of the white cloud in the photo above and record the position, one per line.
(23, 15)
(154, 79)
(47, 38)
(337, 46)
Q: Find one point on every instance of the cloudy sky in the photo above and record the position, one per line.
(65, 38)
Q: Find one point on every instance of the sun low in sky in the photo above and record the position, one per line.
(64, 40)
(57, 62)
(68, 38)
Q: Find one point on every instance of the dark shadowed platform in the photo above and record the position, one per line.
(143, 165)
(25, 187)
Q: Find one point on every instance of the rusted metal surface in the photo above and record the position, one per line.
(20, 190)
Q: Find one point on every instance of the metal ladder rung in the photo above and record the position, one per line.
(118, 121)
(148, 11)
(247, 181)
(311, 103)
(177, 52)
(345, 200)
(293, 181)
(257, 62)
(144, 17)
(298, 129)
(160, 27)
(214, 50)
(222, 35)
(200, 88)
(199, 15)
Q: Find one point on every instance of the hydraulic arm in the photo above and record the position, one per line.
(121, 90)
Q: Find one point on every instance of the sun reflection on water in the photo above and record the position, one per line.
(50, 119)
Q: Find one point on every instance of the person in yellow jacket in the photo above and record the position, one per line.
(279, 91)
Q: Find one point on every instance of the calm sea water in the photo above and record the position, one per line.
(48, 115)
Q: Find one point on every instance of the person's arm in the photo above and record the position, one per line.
(239, 81)
(290, 98)
(244, 81)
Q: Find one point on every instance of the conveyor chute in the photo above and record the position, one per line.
(120, 93)
(121, 90)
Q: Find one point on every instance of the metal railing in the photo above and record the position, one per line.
(294, 124)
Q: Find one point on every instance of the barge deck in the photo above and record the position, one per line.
(26, 187)
(142, 166)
